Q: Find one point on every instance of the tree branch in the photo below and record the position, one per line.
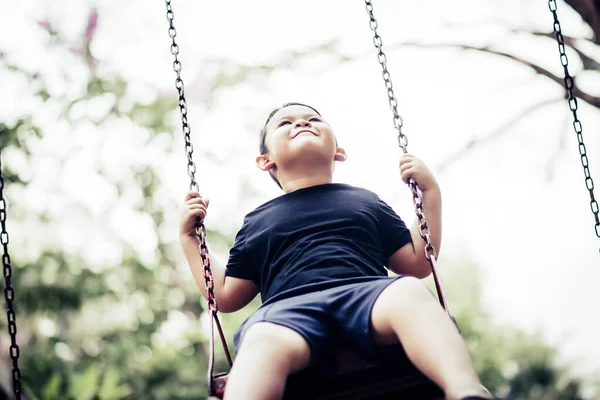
(589, 10)
(479, 141)
(588, 62)
(588, 98)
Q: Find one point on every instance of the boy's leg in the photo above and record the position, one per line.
(407, 312)
(267, 355)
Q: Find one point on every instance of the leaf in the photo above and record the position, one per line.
(85, 385)
(51, 389)
(110, 388)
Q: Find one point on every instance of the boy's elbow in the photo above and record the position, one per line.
(236, 294)
(422, 270)
(227, 304)
(227, 308)
(407, 262)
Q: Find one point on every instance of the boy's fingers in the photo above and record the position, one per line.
(199, 213)
(191, 194)
(405, 160)
(404, 167)
(196, 200)
(406, 174)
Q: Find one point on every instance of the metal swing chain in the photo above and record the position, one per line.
(9, 293)
(191, 169)
(569, 85)
(424, 231)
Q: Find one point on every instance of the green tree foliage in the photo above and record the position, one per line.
(102, 331)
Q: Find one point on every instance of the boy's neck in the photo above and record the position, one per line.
(291, 185)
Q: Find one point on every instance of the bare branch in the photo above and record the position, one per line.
(588, 98)
(588, 62)
(589, 10)
(480, 141)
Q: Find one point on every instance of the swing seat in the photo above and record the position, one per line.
(392, 376)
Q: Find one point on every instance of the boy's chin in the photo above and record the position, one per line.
(310, 145)
(310, 156)
(311, 152)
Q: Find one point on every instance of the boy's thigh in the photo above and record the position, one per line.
(396, 305)
(278, 343)
(301, 320)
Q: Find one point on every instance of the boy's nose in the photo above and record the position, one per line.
(302, 122)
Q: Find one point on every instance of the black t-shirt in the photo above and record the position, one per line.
(316, 238)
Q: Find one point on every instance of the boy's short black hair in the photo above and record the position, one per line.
(263, 132)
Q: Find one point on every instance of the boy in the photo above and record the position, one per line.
(317, 255)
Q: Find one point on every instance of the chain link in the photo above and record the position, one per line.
(387, 79)
(189, 148)
(9, 293)
(424, 231)
(572, 101)
(209, 282)
(191, 166)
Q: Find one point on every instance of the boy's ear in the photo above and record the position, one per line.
(340, 154)
(264, 162)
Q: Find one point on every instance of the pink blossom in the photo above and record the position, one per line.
(46, 25)
(91, 25)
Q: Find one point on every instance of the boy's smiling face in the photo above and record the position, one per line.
(298, 139)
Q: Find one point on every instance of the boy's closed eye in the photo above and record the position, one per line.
(285, 122)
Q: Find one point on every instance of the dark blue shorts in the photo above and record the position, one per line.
(326, 319)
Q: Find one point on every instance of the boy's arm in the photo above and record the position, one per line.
(231, 293)
(432, 208)
(410, 259)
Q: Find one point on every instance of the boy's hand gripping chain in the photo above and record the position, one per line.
(430, 252)
(212, 306)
